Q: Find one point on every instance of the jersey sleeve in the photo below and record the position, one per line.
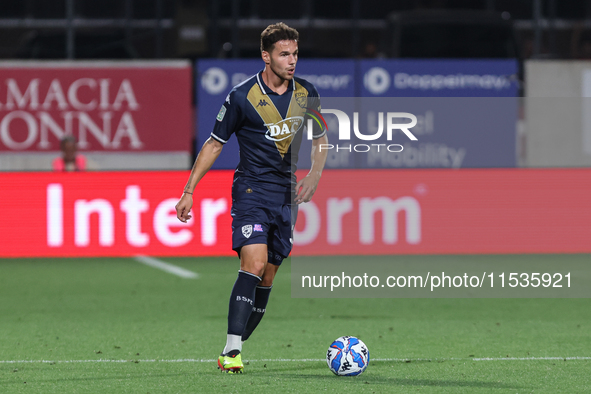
(228, 119)
(314, 113)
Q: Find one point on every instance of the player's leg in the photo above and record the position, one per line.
(280, 243)
(261, 298)
(253, 259)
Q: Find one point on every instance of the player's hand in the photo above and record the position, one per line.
(183, 207)
(306, 188)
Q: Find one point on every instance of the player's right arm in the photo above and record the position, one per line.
(227, 121)
(205, 159)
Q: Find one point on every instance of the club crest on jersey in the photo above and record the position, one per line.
(301, 99)
(284, 129)
(247, 230)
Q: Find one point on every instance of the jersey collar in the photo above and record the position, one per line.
(267, 90)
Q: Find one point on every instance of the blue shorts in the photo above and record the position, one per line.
(256, 219)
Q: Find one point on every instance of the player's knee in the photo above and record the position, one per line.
(267, 281)
(268, 275)
(256, 267)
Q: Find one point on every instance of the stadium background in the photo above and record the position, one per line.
(132, 110)
(139, 83)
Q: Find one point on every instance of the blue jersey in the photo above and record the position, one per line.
(269, 128)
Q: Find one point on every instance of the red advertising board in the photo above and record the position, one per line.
(353, 212)
(108, 106)
(451, 212)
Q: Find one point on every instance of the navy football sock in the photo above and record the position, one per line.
(241, 301)
(260, 305)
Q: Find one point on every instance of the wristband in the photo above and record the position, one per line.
(184, 191)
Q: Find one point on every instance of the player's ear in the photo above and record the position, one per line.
(266, 57)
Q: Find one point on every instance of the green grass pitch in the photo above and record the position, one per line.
(159, 333)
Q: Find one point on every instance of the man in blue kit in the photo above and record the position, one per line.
(267, 113)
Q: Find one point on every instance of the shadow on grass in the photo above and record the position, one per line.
(370, 379)
(382, 381)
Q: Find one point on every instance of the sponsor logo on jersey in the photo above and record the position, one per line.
(258, 227)
(284, 129)
(247, 230)
(280, 129)
(262, 103)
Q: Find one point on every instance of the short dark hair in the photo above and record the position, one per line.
(67, 138)
(277, 32)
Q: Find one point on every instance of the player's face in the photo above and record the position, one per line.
(283, 58)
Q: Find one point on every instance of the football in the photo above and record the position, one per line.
(347, 356)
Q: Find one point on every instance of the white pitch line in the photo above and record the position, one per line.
(193, 360)
(167, 267)
(529, 358)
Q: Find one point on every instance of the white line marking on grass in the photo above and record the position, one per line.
(201, 360)
(530, 358)
(167, 267)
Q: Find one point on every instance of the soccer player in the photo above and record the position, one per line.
(267, 113)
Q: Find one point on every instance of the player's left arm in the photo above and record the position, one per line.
(306, 187)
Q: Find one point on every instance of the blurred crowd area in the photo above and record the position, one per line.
(349, 48)
(192, 29)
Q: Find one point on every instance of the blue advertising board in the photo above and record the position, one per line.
(454, 132)
(438, 78)
(451, 133)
